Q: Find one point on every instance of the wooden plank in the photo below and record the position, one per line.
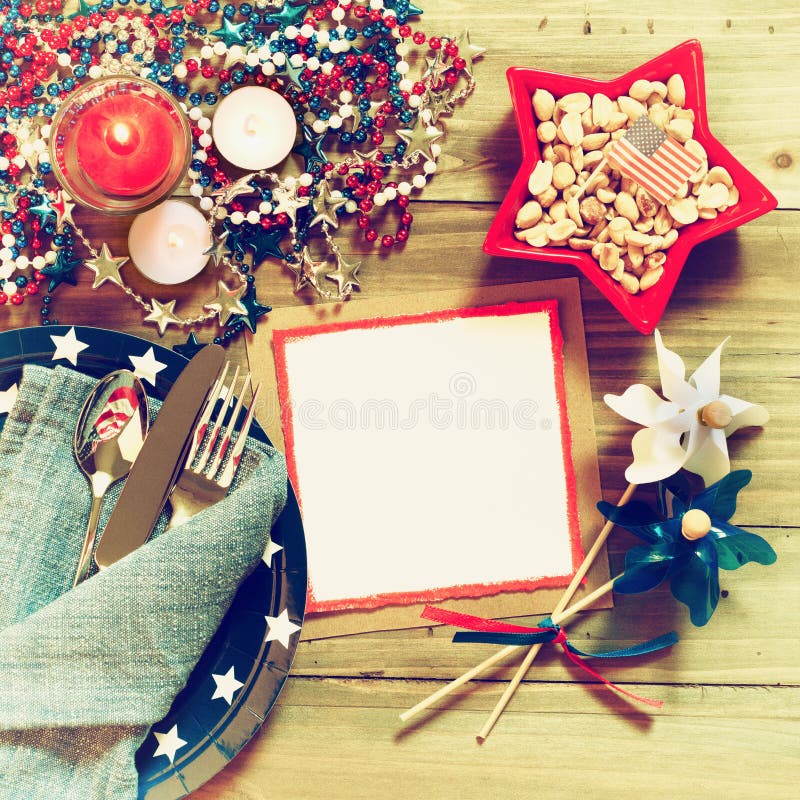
(332, 739)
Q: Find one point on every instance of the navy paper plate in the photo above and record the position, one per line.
(219, 710)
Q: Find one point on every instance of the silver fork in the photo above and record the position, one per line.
(202, 484)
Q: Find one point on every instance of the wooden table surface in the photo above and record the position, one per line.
(729, 724)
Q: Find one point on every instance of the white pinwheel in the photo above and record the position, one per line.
(690, 427)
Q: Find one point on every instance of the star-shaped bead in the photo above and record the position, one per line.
(306, 272)
(227, 302)
(62, 269)
(439, 103)
(190, 348)
(227, 686)
(290, 14)
(106, 267)
(325, 206)
(436, 68)
(84, 9)
(168, 743)
(287, 202)
(264, 243)
(467, 50)
(254, 311)
(411, 10)
(373, 155)
(147, 367)
(419, 138)
(63, 207)
(686, 60)
(239, 187)
(9, 396)
(43, 210)
(344, 276)
(218, 248)
(293, 73)
(280, 628)
(311, 148)
(230, 33)
(163, 314)
(272, 548)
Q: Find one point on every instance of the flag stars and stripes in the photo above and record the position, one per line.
(654, 160)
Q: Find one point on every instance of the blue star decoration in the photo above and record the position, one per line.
(402, 9)
(688, 547)
(254, 311)
(62, 269)
(311, 148)
(190, 348)
(43, 209)
(290, 14)
(263, 243)
(230, 33)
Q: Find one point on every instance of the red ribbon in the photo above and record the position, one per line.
(473, 623)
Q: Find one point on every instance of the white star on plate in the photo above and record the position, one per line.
(68, 346)
(226, 686)
(168, 743)
(9, 397)
(146, 367)
(272, 548)
(280, 628)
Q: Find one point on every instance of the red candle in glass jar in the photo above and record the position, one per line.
(120, 144)
(124, 143)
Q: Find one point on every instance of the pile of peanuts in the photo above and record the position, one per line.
(627, 231)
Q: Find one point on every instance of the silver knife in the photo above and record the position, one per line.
(160, 461)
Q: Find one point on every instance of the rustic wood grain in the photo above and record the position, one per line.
(732, 689)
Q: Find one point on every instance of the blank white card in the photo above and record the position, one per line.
(430, 454)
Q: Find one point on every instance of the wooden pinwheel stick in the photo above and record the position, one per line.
(562, 604)
(557, 617)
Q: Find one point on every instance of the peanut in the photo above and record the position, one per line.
(676, 90)
(541, 178)
(528, 215)
(631, 108)
(561, 230)
(580, 244)
(640, 90)
(546, 132)
(626, 207)
(563, 175)
(683, 211)
(576, 102)
(609, 257)
(647, 206)
(630, 283)
(543, 104)
(680, 129)
(601, 110)
(712, 196)
(570, 131)
(720, 175)
(592, 210)
(650, 278)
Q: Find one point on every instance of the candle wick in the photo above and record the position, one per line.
(251, 125)
(173, 240)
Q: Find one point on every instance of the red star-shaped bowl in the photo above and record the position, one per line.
(643, 310)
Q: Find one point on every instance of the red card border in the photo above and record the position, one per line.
(281, 338)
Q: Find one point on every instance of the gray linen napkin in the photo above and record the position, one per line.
(86, 672)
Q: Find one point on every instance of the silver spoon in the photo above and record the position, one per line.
(110, 432)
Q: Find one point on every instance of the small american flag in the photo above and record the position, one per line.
(656, 162)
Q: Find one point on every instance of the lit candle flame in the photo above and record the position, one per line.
(121, 132)
(173, 240)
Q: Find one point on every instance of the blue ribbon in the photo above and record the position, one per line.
(549, 632)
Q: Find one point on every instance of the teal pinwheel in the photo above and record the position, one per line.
(689, 546)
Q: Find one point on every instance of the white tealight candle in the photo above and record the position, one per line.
(167, 243)
(254, 128)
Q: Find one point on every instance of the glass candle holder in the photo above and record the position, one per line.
(120, 145)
